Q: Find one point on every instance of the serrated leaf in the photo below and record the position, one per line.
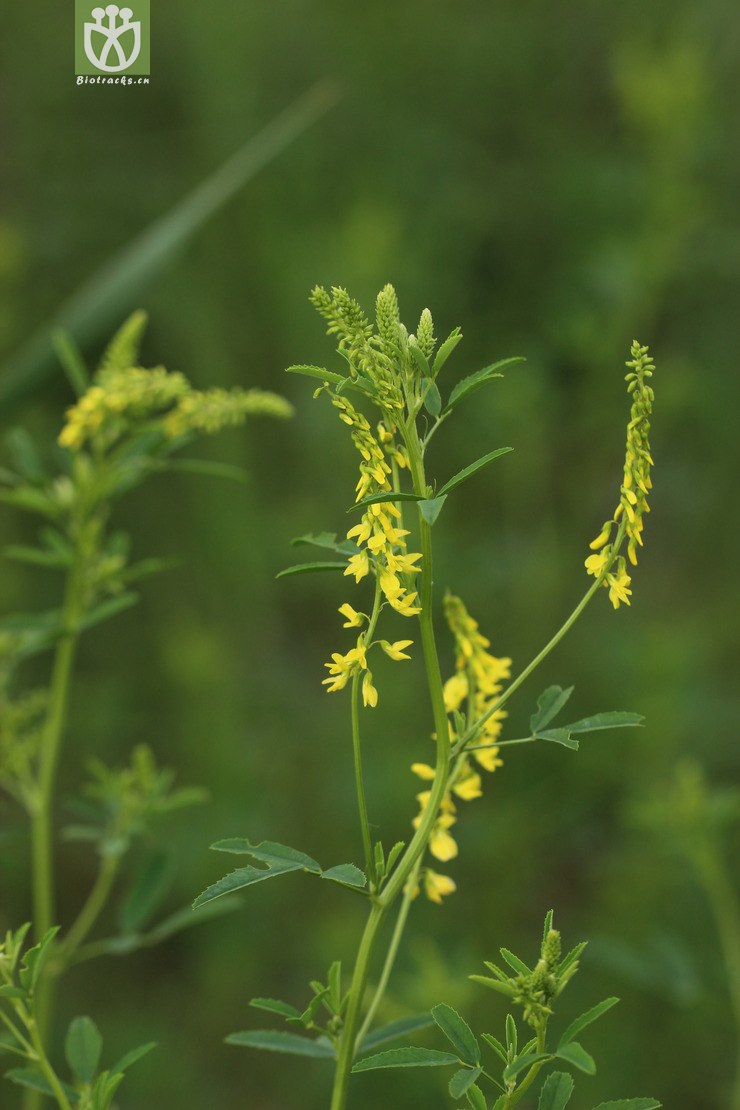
(316, 372)
(514, 962)
(310, 568)
(431, 507)
(458, 1033)
(571, 956)
(34, 959)
(462, 1080)
(82, 1047)
(394, 1029)
(575, 1054)
(585, 1019)
(314, 1005)
(549, 704)
(275, 1006)
(432, 397)
(560, 736)
(130, 1058)
(393, 855)
(446, 350)
(630, 1104)
(477, 1100)
(148, 890)
(35, 1081)
(347, 875)
(512, 1036)
(474, 381)
(279, 859)
(599, 721)
(406, 1058)
(524, 1061)
(556, 1091)
(496, 1045)
(473, 468)
(275, 1040)
(327, 541)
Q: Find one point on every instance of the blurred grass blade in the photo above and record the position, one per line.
(115, 289)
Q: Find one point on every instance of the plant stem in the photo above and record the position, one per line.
(359, 780)
(91, 909)
(403, 913)
(552, 643)
(513, 1097)
(48, 1071)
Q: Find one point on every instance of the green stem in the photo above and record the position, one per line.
(48, 1071)
(725, 908)
(91, 909)
(359, 780)
(513, 1097)
(403, 913)
(552, 643)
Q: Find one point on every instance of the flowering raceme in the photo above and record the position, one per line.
(633, 499)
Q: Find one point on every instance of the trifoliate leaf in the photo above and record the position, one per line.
(585, 1019)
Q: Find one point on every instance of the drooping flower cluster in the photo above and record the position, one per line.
(120, 401)
(633, 499)
(382, 548)
(472, 689)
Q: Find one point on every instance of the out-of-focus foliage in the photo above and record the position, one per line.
(559, 179)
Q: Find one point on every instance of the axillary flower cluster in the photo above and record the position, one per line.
(380, 538)
(472, 689)
(633, 499)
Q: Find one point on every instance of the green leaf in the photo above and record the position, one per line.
(514, 962)
(82, 1047)
(472, 469)
(496, 1045)
(495, 985)
(556, 1091)
(446, 350)
(630, 1104)
(306, 1018)
(394, 1029)
(406, 1058)
(477, 1099)
(108, 609)
(31, 500)
(275, 1006)
(316, 372)
(420, 359)
(149, 888)
(72, 361)
(34, 959)
(328, 541)
(559, 736)
(512, 1037)
(8, 991)
(549, 704)
(523, 1062)
(115, 288)
(572, 956)
(187, 917)
(431, 507)
(310, 568)
(432, 397)
(35, 1081)
(462, 1080)
(585, 1019)
(36, 556)
(24, 455)
(458, 1033)
(346, 874)
(574, 1053)
(279, 859)
(384, 497)
(132, 1057)
(474, 381)
(606, 720)
(277, 1041)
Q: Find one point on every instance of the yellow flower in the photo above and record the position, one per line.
(455, 691)
(396, 649)
(619, 587)
(437, 887)
(369, 693)
(443, 846)
(359, 565)
(468, 785)
(595, 564)
(354, 619)
(424, 771)
(488, 758)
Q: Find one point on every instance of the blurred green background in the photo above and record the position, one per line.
(557, 179)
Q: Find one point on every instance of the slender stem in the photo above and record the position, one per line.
(725, 907)
(552, 643)
(91, 909)
(513, 1097)
(359, 780)
(403, 913)
(17, 1034)
(48, 1071)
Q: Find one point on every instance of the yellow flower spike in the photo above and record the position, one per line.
(369, 693)
(455, 691)
(354, 619)
(405, 606)
(437, 887)
(396, 649)
(488, 758)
